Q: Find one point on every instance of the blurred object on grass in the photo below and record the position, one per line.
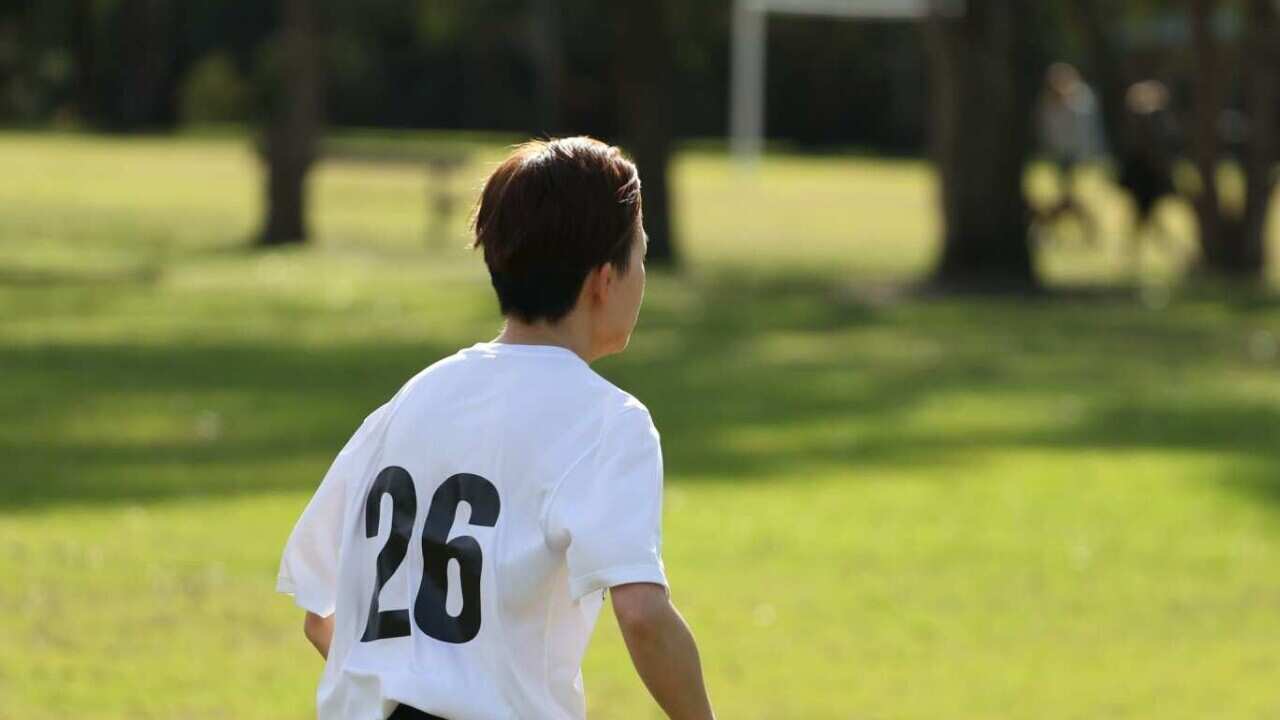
(441, 162)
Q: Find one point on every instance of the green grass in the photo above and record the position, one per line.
(877, 506)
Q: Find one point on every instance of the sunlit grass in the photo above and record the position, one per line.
(877, 506)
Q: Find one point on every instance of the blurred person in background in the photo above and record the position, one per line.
(1146, 164)
(1070, 131)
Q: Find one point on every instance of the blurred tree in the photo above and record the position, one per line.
(146, 41)
(37, 72)
(1106, 63)
(643, 43)
(213, 92)
(545, 44)
(83, 51)
(983, 80)
(526, 66)
(1232, 232)
(836, 69)
(293, 127)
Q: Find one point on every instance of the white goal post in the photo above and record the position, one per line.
(747, 90)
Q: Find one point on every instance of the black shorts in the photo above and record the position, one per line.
(404, 712)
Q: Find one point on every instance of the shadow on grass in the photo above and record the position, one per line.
(749, 381)
(19, 277)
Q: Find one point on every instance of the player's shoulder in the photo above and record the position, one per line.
(625, 404)
(445, 370)
(409, 393)
(626, 418)
(457, 361)
(406, 391)
(615, 401)
(622, 418)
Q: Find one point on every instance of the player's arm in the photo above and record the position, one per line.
(662, 649)
(319, 630)
(309, 565)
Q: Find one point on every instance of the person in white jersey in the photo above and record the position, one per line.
(456, 555)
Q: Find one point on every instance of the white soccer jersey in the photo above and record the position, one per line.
(466, 534)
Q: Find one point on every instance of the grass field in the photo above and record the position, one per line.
(878, 506)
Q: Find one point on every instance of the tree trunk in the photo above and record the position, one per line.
(148, 85)
(1098, 31)
(1233, 244)
(294, 127)
(1207, 108)
(983, 89)
(83, 48)
(546, 49)
(1262, 94)
(643, 46)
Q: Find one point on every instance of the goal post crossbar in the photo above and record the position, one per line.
(888, 9)
(749, 41)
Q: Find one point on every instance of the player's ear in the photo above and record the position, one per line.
(599, 283)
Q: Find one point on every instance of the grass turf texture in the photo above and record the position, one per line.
(876, 508)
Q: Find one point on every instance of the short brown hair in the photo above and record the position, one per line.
(552, 212)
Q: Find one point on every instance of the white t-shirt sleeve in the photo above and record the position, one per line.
(309, 566)
(609, 507)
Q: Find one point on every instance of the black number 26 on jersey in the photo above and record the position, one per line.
(437, 550)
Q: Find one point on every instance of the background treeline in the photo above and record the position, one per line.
(529, 66)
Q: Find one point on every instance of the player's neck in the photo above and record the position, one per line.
(567, 334)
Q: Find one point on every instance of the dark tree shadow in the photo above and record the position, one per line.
(749, 380)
